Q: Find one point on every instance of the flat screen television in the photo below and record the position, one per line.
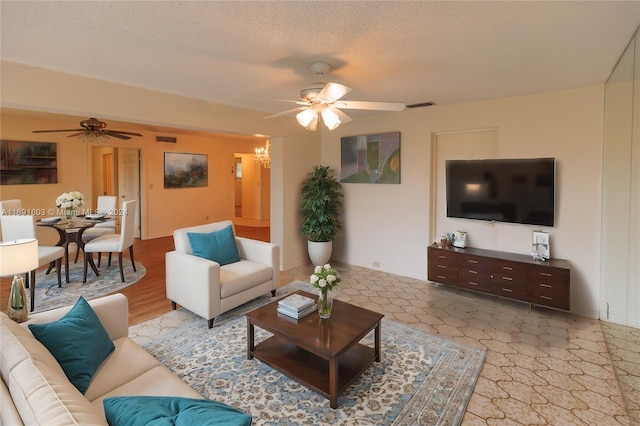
(503, 190)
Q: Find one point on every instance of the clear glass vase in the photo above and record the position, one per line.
(17, 309)
(325, 302)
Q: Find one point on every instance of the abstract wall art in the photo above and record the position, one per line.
(371, 158)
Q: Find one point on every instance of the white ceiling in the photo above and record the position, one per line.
(411, 52)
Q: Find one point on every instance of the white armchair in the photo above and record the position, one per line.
(208, 289)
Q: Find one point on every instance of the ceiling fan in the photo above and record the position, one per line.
(95, 130)
(324, 100)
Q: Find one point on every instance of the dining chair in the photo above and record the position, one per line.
(114, 243)
(10, 207)
(17, 227)
(107, 205)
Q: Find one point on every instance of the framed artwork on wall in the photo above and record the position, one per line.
(23, 163)
(183, 170)
(371, 158)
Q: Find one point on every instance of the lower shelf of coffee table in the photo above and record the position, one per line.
(312, 370)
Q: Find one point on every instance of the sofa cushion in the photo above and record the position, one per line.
(240, 276)
(127, 362)
(143, 410)
(219, 246)
(39, 388)
(78, 341)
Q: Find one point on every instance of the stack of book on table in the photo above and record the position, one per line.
(297, 306)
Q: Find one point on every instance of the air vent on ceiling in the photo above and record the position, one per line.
(169, 139)
(421, 104)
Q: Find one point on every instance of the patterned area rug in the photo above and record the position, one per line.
(422, 379)
(49, 295)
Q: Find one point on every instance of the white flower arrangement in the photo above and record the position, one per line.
(324, 278)
(70, 200)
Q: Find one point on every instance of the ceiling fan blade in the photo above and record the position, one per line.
(299, 102)
(77, 134)
(344, 118)
(331, 92)
(287, 112)
(50, 131)
(377, 106)
(115, 134)
(123, 133)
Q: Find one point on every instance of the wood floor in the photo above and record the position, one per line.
(147, 297)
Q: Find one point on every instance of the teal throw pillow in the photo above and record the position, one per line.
(78, 341)
(219, 246)
(169, 411)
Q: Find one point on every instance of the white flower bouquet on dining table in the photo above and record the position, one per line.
(69, 201)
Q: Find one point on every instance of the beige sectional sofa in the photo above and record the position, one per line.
(35, 389)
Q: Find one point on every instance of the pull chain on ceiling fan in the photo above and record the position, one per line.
(94, 130)
(323, 100)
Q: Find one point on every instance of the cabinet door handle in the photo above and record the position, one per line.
(471, 271)
(473, 261)
(472, 283)
(507, 278)
(442, 257)
(442, 266)
(508, 268)
(441, 277)
(545, 274)
(545, 285)
(546, 298)
(508, 290)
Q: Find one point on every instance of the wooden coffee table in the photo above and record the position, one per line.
(323, 354)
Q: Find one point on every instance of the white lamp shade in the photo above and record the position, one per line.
(308, 119)
(18, 256)
(330, 118)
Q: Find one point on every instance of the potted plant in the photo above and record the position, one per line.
(320, 211)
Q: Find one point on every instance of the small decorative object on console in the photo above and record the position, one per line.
(460, 239)
(540, 246)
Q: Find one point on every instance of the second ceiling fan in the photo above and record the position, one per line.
(94, 130)
(324, 100)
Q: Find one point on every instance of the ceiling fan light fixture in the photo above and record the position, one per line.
(93, 137)
(330, 118)
(308, 119)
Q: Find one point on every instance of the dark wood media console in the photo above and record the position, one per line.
(515, 276)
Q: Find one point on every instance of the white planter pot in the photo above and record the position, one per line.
(320, 253)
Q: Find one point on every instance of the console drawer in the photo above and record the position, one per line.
(549, 287)
(445, 274)
(474, 278)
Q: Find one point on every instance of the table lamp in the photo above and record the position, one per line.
(16, 258)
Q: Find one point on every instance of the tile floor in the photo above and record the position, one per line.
(543, 367)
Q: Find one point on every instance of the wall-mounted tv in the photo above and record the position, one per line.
(503, 190)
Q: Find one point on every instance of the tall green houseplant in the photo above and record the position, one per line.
(321, 205)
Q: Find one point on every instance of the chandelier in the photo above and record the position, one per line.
(263, 155)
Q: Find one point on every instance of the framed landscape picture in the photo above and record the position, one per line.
(371, 158)
(23, 163)
(183, 170)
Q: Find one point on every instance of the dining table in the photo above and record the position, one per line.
(70, 231)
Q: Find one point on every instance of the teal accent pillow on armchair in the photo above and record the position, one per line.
(170, 410)
(219, 246)
(78, 341)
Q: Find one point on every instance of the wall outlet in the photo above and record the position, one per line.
(376, 264)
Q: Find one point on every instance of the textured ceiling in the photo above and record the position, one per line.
(235, 52)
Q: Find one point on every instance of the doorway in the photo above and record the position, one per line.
(238, 187)
(116, 171)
